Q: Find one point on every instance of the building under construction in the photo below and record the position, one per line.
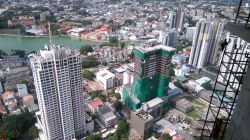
(150, 77)
(229, 119)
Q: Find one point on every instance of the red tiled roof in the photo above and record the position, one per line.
(97, 102)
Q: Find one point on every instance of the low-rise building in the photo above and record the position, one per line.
(142, 123)
(93, 105)
(28, 101)
(15, 76)
(105, 78)
(184, 105)
(76, 31)
(22, 90)
(10, 101)
(106, 116)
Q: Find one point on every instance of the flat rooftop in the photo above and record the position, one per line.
(239, 30)
(153, 48)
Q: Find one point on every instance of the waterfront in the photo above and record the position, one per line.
(7, 42)
(12, 42)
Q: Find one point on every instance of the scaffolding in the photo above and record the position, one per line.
(220, 110)
(241, 15)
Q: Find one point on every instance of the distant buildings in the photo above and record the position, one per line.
(206, 39)
(168, 38)
(57, 76)
(22, 20)
(177, 19)
(150, 76)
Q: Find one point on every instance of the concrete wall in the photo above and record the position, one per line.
(240, 122)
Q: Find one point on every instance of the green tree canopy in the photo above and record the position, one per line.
(122, 130)
(90, 63)
(88, 74)
(207, 86)
(118, 105)
(93, 137)
(21, 126)
(20, 53)
(113, 40)
(166, 136)
(85, 49)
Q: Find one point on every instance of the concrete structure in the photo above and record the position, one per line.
(235, 41)
(58, 80)
(239, 123)
(168, 38)
(28, 101)
(10, 101)
(182, 71)
(106, 116)
(154, 107)
(206, 39)
(105, 78)
(22, 90)
(142, 123)
(190, 33)
(184, 105)
(177, 19)
(151, 75)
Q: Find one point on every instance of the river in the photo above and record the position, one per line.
(7, 43)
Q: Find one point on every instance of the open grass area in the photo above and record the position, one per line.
(194, 115)
(9, 31)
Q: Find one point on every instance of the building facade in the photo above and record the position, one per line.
(168, 38)
(58, 81)
(151, 75)
(206, 39)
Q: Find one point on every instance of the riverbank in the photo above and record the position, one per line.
(82, 38)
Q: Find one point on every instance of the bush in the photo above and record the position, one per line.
(207, 86)
(88, 74)
(85, 49)
(90, 62)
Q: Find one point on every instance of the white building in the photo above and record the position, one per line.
(106, 116)
(22, 90)
(105, 78)
(76, 32)
(206, 39)
(168, 38)
(182, 71)
(190, 33)
(58, 80)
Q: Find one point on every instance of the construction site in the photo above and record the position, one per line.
(229, 118)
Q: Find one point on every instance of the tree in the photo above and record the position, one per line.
(178, 84)
(123, 45)
(33, 132)
(2, 53)
(85, 49)
(122, 130)
(21, 126)
(90, 62)
(207, 86)
(166, 136)
(118, 105)
(88, 74)
(21, 53)
(93, 137)
(113, 40)
(110, 21)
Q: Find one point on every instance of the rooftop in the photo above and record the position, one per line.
(157, 47)
(105, 74)
(154, 102)
(106, 112)
(239, 30)
(97, 102)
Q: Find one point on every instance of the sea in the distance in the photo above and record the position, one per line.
(8, 42)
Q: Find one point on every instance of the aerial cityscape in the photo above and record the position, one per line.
(124, 70)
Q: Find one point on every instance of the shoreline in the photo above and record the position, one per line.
(82, 38)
